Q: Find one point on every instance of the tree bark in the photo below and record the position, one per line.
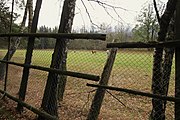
(62, 80)
(167, 64)
(177, 62)
(30, 10)
(157, 84)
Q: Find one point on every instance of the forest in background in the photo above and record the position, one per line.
(145, 30)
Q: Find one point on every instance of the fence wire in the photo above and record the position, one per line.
(132, 69)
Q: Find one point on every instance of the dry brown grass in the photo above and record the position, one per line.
(78, 97)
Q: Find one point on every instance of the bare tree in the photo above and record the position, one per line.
(157, 84)
(16, 40)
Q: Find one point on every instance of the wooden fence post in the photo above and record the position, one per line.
(99, 95)
(30, 47)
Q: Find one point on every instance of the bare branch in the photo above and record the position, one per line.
(106, 6)
(156, 10)
(89, 14)
(118, 15)
(81, 15)
(106, 9)
(112, 6)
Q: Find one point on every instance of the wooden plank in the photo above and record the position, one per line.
(68, 73)
(57, 35)
(30, 47)
(167, 44)
(134, 92)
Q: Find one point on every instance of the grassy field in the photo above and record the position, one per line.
(124, 58)
(132, 69)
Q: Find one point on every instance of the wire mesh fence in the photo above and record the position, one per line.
(133, 69)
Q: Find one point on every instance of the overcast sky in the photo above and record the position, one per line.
(51, 11)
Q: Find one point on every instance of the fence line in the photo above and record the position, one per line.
(28, 65)
(134, 92)
(31, 108)
(68, 73)
(58, 35)
(154, 44)
(171, 44)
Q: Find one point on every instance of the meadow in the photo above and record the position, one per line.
(132, 69)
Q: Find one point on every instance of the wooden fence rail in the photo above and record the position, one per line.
(29, 107)
(27, 65)
(154, 44)
(58, 35)
(134, 92)
(68, 73)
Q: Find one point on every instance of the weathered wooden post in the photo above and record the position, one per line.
(99, 95)
(30, 47)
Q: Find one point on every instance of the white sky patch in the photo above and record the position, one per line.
(51, 12)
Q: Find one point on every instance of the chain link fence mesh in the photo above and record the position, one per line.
(132, 70)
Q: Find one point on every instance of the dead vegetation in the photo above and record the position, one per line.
(78, 98)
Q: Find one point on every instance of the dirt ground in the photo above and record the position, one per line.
(77, 99)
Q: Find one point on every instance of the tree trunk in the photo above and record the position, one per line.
(177, 62)
(15, 41)
(49, 103)
(156, 84)
(168, 60)
(157, 81)
(167, 64)
(30, 9)
(62, 80)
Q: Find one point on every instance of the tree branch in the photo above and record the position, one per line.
(89, 14)
(156, 10)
